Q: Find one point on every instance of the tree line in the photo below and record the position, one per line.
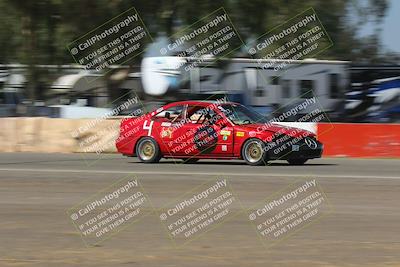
(38, 31)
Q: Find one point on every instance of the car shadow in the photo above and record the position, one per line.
(304, 165)
(239, 163)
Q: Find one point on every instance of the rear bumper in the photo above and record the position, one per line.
(299, 149)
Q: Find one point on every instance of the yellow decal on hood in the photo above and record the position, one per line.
(240, 134)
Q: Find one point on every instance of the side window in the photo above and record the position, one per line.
(259, 92)
(286, 89)
(306, 88)
(275, 80)
(173, 114)
(200, 115)
(334, 85)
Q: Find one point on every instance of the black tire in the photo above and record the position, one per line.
(190, 161)
(297, 161)
(253, 152)
(148, 151)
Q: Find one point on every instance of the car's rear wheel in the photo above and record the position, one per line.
(253, 152)
(296, 161)
(148, 151)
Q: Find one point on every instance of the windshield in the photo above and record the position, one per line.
(241, 115)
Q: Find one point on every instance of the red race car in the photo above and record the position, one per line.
(193, 130)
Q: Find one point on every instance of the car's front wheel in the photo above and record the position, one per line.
(253, 152)
(148, 151)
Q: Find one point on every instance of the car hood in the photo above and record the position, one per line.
(260, 128)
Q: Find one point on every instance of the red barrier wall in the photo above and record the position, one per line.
(359, 139)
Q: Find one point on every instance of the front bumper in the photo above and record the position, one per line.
(292, 148)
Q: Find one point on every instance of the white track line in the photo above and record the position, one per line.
(202, 173)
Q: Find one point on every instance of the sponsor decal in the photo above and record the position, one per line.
(166, 124)
(224, 148)
(224, 137)
(311, 143)
(166, 132)
(240, 134)
(225, 132)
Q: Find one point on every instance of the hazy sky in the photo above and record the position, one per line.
(391, 27)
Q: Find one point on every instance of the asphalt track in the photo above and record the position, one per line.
(36, 190)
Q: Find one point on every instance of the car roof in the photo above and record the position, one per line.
(198, 102)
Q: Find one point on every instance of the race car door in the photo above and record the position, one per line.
(206, 133)
(167, 129)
